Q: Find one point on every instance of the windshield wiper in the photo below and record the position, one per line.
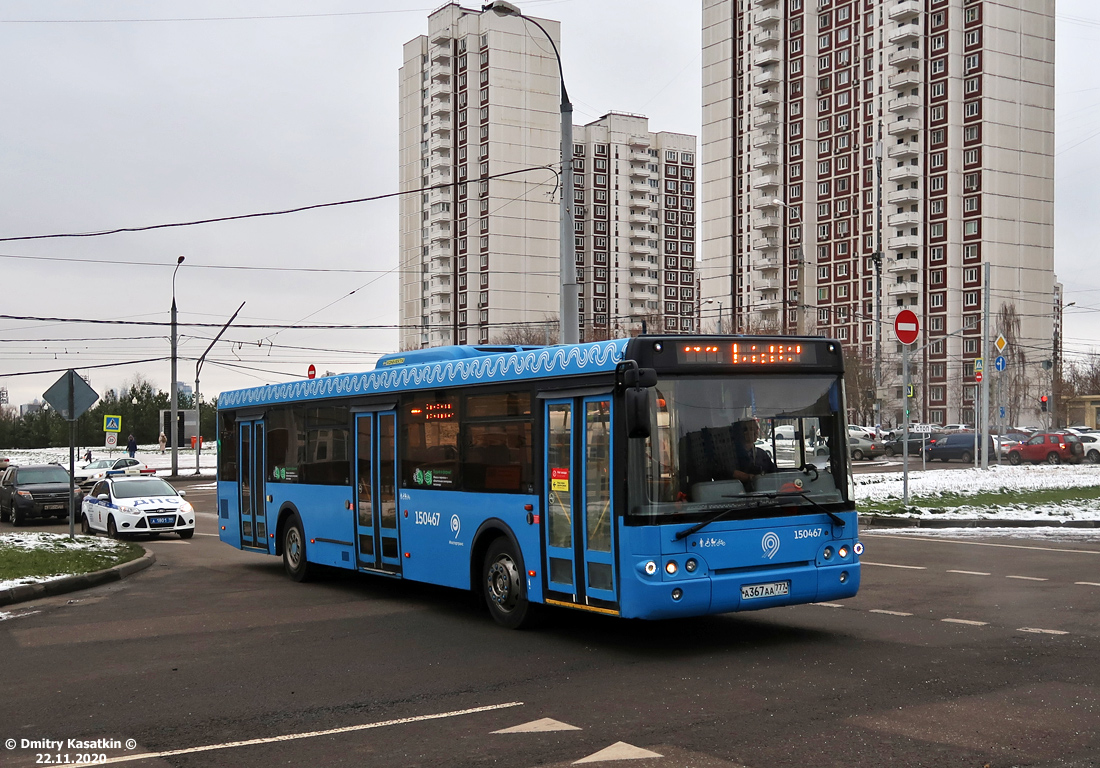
(757, 503)
(759, 499)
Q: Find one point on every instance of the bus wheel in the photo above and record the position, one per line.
(504, 586)
(294, 550)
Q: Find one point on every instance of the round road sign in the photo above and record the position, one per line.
(906, 326)
(978, 376)
(312, 372)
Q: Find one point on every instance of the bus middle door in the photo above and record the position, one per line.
(377, 542)
(580, 549)
(253, 498)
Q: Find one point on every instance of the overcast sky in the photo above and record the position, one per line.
(123, 114)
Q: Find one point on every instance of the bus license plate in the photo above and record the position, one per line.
(162, 521)
(773, 589)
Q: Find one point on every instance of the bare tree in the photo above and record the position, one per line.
(529, 334)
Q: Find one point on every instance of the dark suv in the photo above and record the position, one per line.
(36, 490)
(959, 445)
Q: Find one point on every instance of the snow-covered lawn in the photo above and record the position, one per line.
(53, 542)
(929, 485)
(149, 454)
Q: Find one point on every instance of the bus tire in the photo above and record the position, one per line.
(294, 549)
(503, 584)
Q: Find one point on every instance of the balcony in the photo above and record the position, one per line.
(766, 139)
(766, 181)
(903, 196)
(904, 80)
(765, 57)
(903, 125)
(905, 242)
(766, 78)
(768, 38)
(439, 143)
(641, 187)
(441, 108)
(904, 265)
(764, 3)
(765, 160)
(905, 33)
(766, 284)
(765, 202)
(640, 157)
(904, 151)
(440, 231)
(766, 119)
(904, 289)
(439, 177)
(903, 57)
(904, 173)
(441, 161)
(638, 140)
(765, 243)
(766, 99)
(905, 10)
(904, 104)
(440, 90)
(442, 52)
(768, 17)
(639, 171)
(439, 126)
(765, 263)
(441, 71)
(906, 219)
(639, 218)
(766, 222)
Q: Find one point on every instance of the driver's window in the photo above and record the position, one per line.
(1037, 440)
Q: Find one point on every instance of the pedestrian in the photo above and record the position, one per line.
(88, 455)
(163, 440)
(131, 446)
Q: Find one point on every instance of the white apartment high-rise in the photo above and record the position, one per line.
(479, 251)
(479, 98)
(635, 227)
(847, 142)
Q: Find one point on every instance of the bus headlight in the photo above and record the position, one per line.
(671, 567)
(843, 551)
(828, 553)
(691, 565)
(677, 593)
(650, 568)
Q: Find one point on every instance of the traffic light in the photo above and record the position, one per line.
(1043, 403)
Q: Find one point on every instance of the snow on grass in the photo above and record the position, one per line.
(149, 454)
(50, 543)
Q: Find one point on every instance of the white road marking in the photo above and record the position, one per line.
(1038, 631)
(544, 725)
(966, 621)
(1026, 578)
(969, 573)
(889, 613)
(892, 565)
(830, 605)
(980, 543)
(620, 750)
(1087, 583)
(310, 734)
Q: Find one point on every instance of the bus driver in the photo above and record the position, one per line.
(750, 459)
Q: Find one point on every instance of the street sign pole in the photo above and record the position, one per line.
(71, 396)
(905, 435)
(985, 381)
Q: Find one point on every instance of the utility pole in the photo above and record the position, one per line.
(983, 425)
(877, 259)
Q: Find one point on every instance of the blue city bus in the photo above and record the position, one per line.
(652, 477)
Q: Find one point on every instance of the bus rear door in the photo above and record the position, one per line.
(580, 544)
(253, 500)
(378, 546)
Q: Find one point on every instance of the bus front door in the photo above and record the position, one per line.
(377, 542)
(580, 546)
(253, 502)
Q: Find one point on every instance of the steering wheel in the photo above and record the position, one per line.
(809, 470)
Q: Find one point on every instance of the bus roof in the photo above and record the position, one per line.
(441, 367)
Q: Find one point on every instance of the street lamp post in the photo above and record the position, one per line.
(173, 429)
(719, 303)
(569, 315)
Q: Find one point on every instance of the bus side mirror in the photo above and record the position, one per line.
(639, 377)
(636, 400)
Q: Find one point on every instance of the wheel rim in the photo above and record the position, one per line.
(294, 547)
(112, 529)
(1053, 458)
(502, 583)
(857, 455)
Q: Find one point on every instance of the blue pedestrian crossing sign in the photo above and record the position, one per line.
(1002, 411)
(112, 423)
(1000, 363)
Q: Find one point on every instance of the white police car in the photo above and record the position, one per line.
(127, 505)
(87, 475)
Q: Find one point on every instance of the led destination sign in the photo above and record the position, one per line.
(745, 353)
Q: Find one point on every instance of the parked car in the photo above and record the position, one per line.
(35, 490)
(956, 427)
(125, 505)
(957, 446)
(4, 463)
(916, 443)
(87, 475)
(1091, 445)
(1051, 447)
(862, 448)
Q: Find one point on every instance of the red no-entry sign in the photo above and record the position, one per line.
(312, 372)
(906, 326)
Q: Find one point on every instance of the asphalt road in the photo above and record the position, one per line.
(972, 653)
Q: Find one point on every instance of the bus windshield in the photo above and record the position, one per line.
(718, 442)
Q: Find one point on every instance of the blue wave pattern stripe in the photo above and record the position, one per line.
(508, 366)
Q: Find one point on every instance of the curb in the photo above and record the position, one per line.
(923, 522)
(61, 586)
